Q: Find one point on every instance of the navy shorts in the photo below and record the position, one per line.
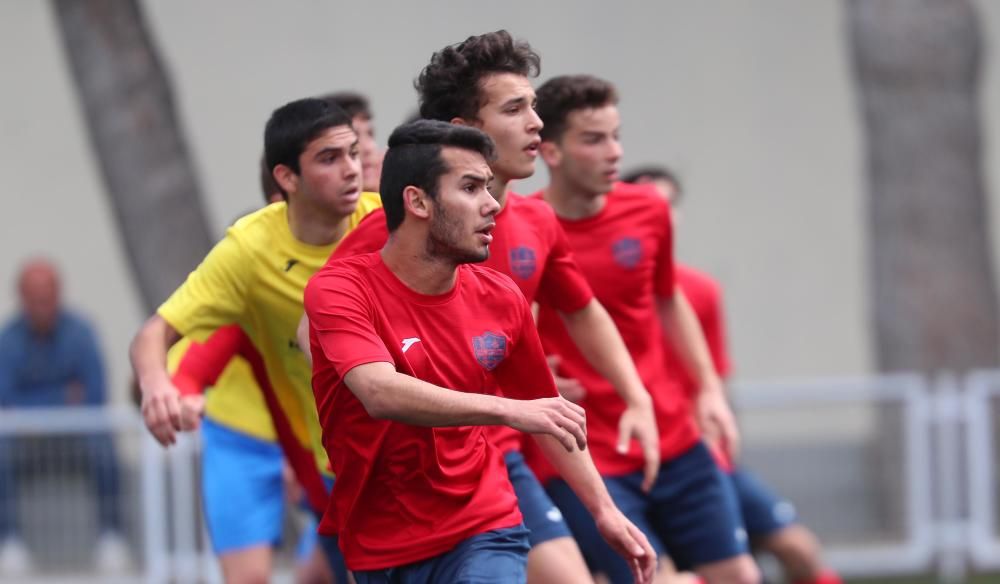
(541, 516)
(763, 511)
(494, 557)
(691, 515)
(330, 543)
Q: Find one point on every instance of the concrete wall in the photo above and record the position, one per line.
(751, 102)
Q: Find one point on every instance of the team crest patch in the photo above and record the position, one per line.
(490, 349)
(522, 262)
(627, 252)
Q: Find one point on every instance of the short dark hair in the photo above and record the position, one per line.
(414, 159)
(449, 86)
(560, 96)
(295, 124)
(269, 186)
(352, 102)
(654, 172)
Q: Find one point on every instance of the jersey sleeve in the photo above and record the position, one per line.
(370, 235)
(524, 374)
(203, 363)
(341, 322)
(214, 294)
(666, 278)
(563, 286)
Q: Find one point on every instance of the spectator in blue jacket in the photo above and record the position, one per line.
(49, 357)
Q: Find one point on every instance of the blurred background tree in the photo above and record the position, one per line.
(933, 296)
(128, 106)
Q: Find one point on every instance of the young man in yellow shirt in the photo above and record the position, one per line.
(255, 275)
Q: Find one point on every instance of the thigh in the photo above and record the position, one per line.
(695, 511)
(242, 489)
(763, 511)
(541, 516)
(629, 498)
(495, 557)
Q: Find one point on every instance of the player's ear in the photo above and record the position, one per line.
(550, 153)
(459, 121)
(286, 178)
(416, 201)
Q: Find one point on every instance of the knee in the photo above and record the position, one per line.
(739, 570)
(795, 547)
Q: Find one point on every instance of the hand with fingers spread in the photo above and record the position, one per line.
(629, 542)
(638, 421)
(161, 411)
(718, 425)
(568, 387)
(556, 416)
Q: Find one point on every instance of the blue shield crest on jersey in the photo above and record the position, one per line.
(522, 262)
(490, 349)
(627, 252)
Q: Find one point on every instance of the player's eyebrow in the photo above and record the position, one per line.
(478, 178)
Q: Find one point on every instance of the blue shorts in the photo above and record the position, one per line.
(241, 487)
(763, 512)
(330, 543)
(541, 516)
(691, 514)
(494, 557)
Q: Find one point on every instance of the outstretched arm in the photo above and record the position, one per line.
(685, 336)
(595, 334)
(389, 395)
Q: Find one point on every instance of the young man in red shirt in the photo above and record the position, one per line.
(621, 237)
(484, 82)
(412, 348)
(771, 521)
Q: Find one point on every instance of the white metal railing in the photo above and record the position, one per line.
(916, 551)
(949, 509)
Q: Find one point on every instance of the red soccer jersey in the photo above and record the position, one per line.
(626, 252)
(202, 365)
(705, 297)
(407, 493)
(528, 245)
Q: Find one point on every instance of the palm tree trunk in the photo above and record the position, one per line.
(126, 100)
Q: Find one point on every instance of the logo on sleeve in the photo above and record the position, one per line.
(522, 262)
(627, 252)
(409, 342)
(290, 264)
(490, 349)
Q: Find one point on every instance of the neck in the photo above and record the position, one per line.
(406, 256)
(315, 226)
(571, 203)
(499, 186)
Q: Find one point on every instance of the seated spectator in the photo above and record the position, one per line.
(49, 358)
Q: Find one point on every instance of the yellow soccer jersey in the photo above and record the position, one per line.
(235, 401)
(255, 277)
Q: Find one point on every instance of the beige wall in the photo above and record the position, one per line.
(751, 102)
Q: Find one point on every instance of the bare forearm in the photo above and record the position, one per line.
(595, 334)
(148, 351)
(579, 472)
(683, 332)
(390, 395)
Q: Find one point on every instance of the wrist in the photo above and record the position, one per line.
(710, 383)
(502, 412)
(153, 382)
(639, 399)
(603, 509)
